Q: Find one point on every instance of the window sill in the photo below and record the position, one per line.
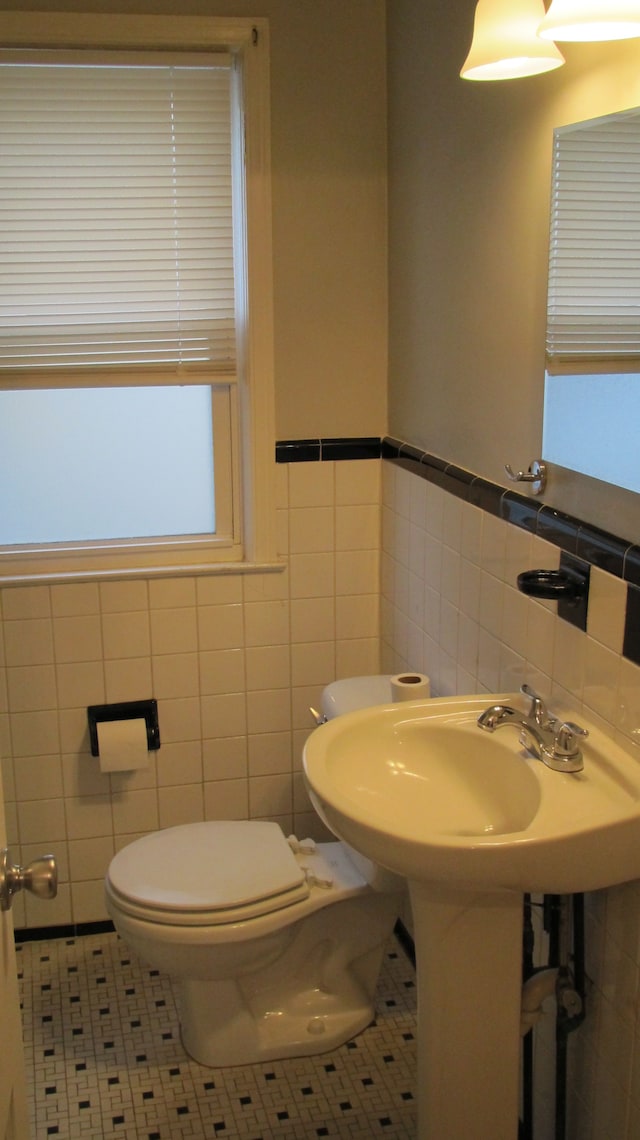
(187, 569)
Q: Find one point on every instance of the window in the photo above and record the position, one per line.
(135, 324)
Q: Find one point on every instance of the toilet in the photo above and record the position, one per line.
(274, 944)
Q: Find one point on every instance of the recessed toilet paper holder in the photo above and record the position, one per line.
(125, 710)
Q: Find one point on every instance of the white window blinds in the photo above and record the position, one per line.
(116, 236)
(593, 312)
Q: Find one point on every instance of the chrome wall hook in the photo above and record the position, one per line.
(536, 475)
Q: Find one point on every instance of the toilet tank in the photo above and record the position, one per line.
(352, 693)
(349, 695)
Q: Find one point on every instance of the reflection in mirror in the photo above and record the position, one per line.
(592, 384)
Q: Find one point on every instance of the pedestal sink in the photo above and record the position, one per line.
(473, 822)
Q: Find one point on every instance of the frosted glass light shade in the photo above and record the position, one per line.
(584, 20)
(505, 42)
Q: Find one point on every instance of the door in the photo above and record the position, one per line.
(14, 1120)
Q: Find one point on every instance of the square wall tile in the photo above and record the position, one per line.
(266, 623)
(19, 602)
(311, 530)
(28, 642)
(358, 483)
(179, 719)
(312, 575)
(224, 758)
(87, 901)
(75, 600)
(269, 710)
(357, 657)
(126, 634)
(268, 667)
(31, 688)
(607, 609)
(270, 796)
(181, 804)
(41, 821)
(38, 778)
(77, 638)
(80, 684)
(88, 816)
(220, 627)
(90, 858)
(176, 675)
(135, 811)
(226, 799)
(269, 753)
(222, 671)
(311, 484)
(34, 733)
(357, 528)
(357, 572)
(179, 764)
(224, 715)
(312, 619)
(125, 596)
(128, 679)
(172, 593)
(174, 630)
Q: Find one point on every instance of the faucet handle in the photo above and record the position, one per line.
(565, 743)
(538, 709)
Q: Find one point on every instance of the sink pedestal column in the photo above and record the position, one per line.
(469, 968)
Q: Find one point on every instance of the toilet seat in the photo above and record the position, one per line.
(207, 874)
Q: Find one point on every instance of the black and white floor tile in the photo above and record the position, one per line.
(104, 1059)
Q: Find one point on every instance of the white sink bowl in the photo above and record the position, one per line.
(419, 788)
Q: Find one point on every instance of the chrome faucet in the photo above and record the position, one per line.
(553, 741)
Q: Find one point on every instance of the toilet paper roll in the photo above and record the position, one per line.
(123, 745)
(410, 687)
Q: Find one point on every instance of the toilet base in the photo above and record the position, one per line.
(308, 1023)
(319, 994)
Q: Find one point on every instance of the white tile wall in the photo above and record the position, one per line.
(234, 662)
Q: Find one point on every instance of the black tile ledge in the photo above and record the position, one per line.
(600, 548)
(351, 447)
(297, 450)
(631, 645)
(558, 528)
(314, 450)
(515, 509)
(632, 565)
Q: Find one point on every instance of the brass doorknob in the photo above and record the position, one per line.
(40, 877)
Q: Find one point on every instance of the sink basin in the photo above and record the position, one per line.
(421, 789)
(473, 822)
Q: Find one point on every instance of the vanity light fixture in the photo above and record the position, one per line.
(506, 44)
(591, 20)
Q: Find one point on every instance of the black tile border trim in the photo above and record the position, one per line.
(314, 450)
(597, 547)
(66, 930)
(607, 551)
(600, 548)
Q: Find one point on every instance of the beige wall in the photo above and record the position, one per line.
(329, 202)
(469, 168)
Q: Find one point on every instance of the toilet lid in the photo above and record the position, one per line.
(226, 870)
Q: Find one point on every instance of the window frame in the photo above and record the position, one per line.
(248, 403)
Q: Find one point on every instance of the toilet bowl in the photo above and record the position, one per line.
(274, 945)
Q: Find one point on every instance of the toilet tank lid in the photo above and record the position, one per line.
(210, 867)
(352, 693)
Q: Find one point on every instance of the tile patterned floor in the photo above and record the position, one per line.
(104, 1059)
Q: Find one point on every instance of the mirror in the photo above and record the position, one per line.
(592, 382)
